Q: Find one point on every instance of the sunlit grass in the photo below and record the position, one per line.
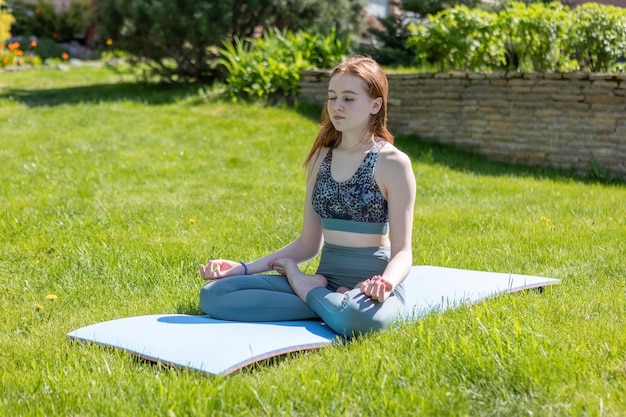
(113, 192)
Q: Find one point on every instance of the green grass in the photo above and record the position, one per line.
(113, 192)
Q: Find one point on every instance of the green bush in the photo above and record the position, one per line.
(522, 37)
(173, 38)
(459, 38)
(270, 66)
(41, 20)
(600, 36)
(178, 39)
(538, 35)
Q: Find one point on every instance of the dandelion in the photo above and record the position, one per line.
(65, 56)
(52, 297)
(548, 222)
(109, 42)
(192, 221)
(39, 307)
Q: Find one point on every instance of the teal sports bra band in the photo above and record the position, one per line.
(355, 227)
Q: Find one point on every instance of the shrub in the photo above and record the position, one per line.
(537, 36)
(270, 66)
(458, 38)
(600, 36)
(533, 37)
(40, 19)
(178, 39)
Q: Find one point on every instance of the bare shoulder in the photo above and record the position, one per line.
(393, 160)
(394, 173)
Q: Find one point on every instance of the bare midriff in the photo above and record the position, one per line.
(356, 240)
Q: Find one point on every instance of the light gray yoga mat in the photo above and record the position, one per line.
(219, 347)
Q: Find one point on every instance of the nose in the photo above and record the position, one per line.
(337, 105)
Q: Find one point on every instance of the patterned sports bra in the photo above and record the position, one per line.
(355, 205)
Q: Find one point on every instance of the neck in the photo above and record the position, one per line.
(349, 142)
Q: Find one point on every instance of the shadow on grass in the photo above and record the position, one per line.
(147, 93)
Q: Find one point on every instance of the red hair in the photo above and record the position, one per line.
(376, 86)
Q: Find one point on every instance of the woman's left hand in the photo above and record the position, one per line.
(376, 288)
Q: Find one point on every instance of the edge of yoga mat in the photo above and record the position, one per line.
(219, 347)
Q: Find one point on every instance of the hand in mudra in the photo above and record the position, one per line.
(376, 288)
(218, 268)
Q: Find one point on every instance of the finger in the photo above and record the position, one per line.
(204, 273)
(380, 292)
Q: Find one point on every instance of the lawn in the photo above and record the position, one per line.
(112, 192)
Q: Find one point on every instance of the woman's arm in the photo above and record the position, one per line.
(394, 174)
(399, 182)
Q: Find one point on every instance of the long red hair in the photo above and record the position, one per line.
(376, 85)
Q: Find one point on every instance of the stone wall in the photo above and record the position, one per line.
(570, 121)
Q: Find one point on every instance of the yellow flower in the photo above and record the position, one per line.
(39, 307)
(192, 221)
(51, 297)
(109, 42)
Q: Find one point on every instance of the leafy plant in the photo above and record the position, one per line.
(459, 38)
(600, 35)
(178, 39)
(42, 20)
(537, 36)
(270, 66)
(266, 67)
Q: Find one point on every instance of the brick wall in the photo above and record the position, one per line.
(569, 121)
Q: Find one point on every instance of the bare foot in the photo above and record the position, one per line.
(300, 282)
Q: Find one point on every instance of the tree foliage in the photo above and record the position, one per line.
(427, 7)
(178, 39)
(41, 19)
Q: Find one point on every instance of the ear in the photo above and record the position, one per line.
(376, 105)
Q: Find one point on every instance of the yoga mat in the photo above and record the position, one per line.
(218, 347)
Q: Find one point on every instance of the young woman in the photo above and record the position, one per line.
(358, 211)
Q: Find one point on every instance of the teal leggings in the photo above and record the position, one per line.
(266, 298)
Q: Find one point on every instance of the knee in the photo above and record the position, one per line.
(358, 316)
(211, 296)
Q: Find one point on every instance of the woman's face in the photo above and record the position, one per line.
(349, 104)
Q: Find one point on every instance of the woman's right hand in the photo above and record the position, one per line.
(219, 268)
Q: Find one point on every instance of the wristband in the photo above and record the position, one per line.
(245, 267)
